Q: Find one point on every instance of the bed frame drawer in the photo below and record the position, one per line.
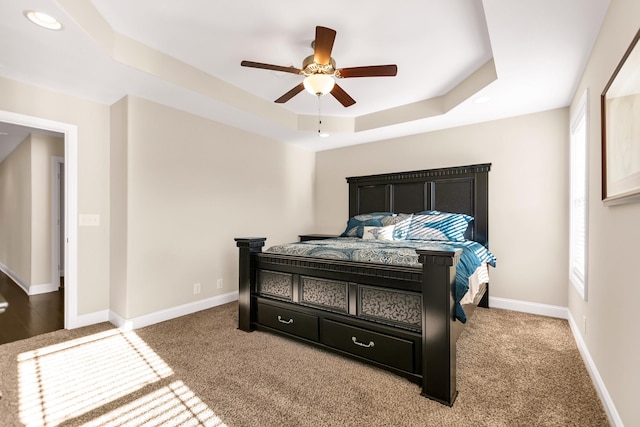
(386, 349)
(290, 321)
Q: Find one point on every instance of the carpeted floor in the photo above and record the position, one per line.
(514, 369)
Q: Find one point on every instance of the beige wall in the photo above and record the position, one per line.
(25, 197)
(15, 212)
(43, 149)
(118, 205)
(527, 192)
(184, 188)
(613, 284)
(192, 185)
(92, 121)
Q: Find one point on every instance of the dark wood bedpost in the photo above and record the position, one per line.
(246, 280)
(438, 342)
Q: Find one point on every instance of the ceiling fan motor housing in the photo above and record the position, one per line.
(310, 66)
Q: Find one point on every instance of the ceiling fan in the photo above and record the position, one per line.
(320, 69)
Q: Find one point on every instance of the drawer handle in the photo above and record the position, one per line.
(286, 322)
(355, 341)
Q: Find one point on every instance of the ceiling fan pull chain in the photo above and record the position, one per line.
(319, 117)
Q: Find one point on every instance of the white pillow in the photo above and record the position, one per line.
(378, 233)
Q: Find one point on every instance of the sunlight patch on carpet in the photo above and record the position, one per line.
(64, 381)
(173, 405)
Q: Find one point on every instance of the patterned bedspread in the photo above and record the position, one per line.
(395, 252)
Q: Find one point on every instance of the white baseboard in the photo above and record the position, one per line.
(13, 276)
(28, 288)
(605, 397)
(42, 289)
(529, 307)
(171, 313)
(564, 313)
(89, 319)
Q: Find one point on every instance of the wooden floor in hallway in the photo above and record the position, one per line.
(26, 315)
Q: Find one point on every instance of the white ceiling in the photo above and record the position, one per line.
(527, 55)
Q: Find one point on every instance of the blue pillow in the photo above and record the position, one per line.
(435, 225)
(356, 224)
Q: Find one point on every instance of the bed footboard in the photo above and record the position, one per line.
(430, 352)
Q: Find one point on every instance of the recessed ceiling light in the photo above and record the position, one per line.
(43, 20)
(482, 100)
(323, 135)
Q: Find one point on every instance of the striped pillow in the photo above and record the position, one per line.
(435, 225)
(401, 226)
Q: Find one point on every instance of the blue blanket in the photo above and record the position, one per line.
(395, 252)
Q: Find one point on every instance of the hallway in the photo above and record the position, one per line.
(26, 315)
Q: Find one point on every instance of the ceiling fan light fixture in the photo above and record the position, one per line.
(319, 84)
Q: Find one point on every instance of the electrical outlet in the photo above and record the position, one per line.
(219, 284)
(196, 288)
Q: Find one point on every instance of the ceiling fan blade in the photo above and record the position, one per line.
(342, 96)
(252, 64)
(323, 45)
(293, 92)
(370, 71)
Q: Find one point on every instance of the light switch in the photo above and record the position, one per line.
(89, 220)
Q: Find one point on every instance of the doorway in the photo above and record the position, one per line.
(67, 243)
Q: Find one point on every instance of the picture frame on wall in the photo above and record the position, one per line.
(620, 108)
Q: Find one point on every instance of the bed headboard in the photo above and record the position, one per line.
(460, 189)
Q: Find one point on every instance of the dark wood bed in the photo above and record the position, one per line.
(425, 354)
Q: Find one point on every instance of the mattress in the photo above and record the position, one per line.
(479, 277)
(469, 271)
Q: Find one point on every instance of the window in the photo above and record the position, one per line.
(578, 197)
